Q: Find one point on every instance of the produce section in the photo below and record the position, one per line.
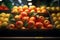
(29, 19)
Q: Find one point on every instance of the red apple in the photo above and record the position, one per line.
(26, 18)
(38, 24)
(31, 24)
(41, 18)
(23, 14)
(49, 26)
(19, 24)
(11, 26)
(32, 18)
(46, 22)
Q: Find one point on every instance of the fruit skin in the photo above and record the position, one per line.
(57, 8)
(56, 22)
(0, 23)
(44, 11)
(38, 24)
(58, 26)
(25, 7)
(46, 22)
(25, 18)
(58, 14)
(59, 18)
(19, 24)
(53, 8)
(53, 15)
(41, 18)
(11, 26)
(49, 26)
(31, 24)
(23, 14)
(54, 18)
(32, 18)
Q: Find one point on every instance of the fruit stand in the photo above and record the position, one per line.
(29, 21)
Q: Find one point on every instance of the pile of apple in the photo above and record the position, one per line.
(4, 19)
(25, 21)
(53, 8)
(3, 8)
(56, 19)
(19, 9)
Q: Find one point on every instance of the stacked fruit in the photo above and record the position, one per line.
(19, 9)
(56, 19)
(4, 19)
(3, 8)
(25, 20)
(53, 8)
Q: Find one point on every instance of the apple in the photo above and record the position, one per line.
(59, 18)
(25, 18)
(57, 8)
(19, 24)
(56, 22)
(20, 17)
(0, 23)
(17, 17)
(25, 7)
(53, 8)
(44, 11)
(27, 10)
(46, 22)
(11, 26)
(41, 18)
(1, 19)
(48, 8)
(38, 24)
(23, 28)
(54, 18)
(15, 7)
(58, 26)
(7, 15)
(6, 19)
(5, 23)
(43, 7)
(3, 14)
(23, 14)
(31, 24)
(58, 14)
(53, 15)
(32, 11)
(32, 18)
(49, 26)
(32, 7)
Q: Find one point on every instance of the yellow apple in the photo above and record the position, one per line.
(5, 23)
(58, 14)
(58, 26)
(43, 7)
(53, 8)
(48, 8)
(7, 15)
(54, 18)
(25, 7)
(57, 8)
(6, 19)
(32, 11)
(1, 19)
(56, 22)
(53, 15)
(3, 14)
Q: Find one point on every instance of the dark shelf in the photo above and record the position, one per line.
(30, 33)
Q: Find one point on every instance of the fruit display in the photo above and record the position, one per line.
(56, 19)
(19, 9)
(53, 9)
(3, 8)
(25, 18)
